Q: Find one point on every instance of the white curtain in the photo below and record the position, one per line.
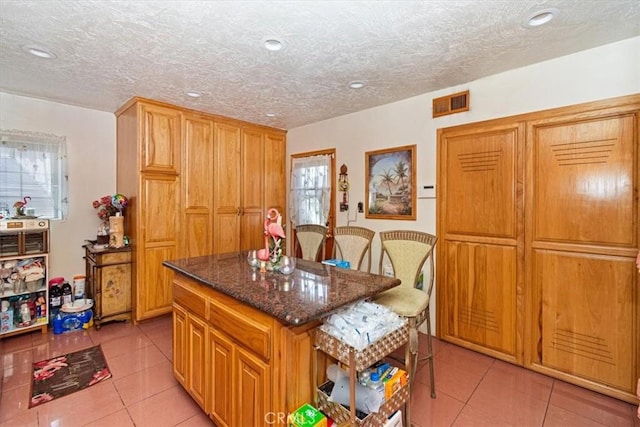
(33, 165)
(310, 193)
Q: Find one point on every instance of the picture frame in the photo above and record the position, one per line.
(391, 183)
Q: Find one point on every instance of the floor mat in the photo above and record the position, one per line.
(63, 375)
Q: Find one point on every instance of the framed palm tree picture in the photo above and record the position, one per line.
(391, 183)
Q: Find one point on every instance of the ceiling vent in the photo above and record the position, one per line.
(451, 104)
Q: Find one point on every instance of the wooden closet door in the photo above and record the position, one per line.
(252, 187)
(197, 183)
(481, 244)
(582, 239)
(226, 193)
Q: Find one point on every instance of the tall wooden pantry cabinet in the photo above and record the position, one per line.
(538, 220)
(197, 183)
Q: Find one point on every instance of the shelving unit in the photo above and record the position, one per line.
(358, 360)
(24, 246)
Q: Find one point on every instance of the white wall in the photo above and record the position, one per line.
(91, 152)
(605, 72)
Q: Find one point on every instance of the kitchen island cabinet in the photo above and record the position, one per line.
(243, 340)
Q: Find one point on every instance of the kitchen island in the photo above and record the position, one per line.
(242, 339)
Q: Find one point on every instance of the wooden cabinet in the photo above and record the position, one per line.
(108, 278)
(227, 198)
(179, 345)
(196, 186)
(252, 392)
(481, 234)
(275, 155)
(197, 359)
(582, 216)
(251, 161)
(538, 220)
(148, 168)
(221, 351)
(239, 364)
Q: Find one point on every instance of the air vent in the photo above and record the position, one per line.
(451, 104)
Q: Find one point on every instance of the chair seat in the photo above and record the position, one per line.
(407, 302)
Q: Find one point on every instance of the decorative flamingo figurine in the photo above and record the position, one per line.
(20, 204)
(272, 229)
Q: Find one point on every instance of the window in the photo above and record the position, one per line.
(33, 168)
(310, 197)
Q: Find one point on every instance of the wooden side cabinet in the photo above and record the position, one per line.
(109, 283)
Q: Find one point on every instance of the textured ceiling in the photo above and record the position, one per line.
(109, 51)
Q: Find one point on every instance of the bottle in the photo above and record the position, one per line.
(365, 377)
(78, 287)
(55, 297)
(57, 324)
(67, 293)
(375, 383)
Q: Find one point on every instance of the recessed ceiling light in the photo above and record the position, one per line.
(540, 17)
(273, 43)
(356, 85)
(40, 52)
(194, 94)
(270, 114)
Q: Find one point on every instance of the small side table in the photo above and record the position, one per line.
(109, 283)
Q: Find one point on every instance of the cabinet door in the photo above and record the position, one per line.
(197, 360)
(252, 396)
(275, 190)
(180, 344)
(160, 132)
(582, 217)
(115, 287)
(221, 351)
(158, 242)
(480, 264)
(253, 167)
(227, 195)
(197, 184)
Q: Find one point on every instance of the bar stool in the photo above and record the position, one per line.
(310, 240)
(352, 244)
(408, 251)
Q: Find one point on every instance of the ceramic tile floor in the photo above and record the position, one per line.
(472, 389)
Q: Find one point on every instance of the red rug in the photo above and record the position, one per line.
(63, 375)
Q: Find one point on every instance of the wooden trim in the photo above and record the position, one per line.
(201, 114)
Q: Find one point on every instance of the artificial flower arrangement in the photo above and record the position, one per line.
(109, 206)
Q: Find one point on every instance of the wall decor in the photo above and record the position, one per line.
(391, 183)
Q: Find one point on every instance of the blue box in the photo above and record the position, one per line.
(340, 263)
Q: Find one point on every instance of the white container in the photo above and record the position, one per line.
(79, 283)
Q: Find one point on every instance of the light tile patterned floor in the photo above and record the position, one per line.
(472, 389)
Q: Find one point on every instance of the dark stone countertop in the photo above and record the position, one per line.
(312, 291)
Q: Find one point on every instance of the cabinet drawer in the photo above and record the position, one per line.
(241, 326)
(186, 296)
(113, 258)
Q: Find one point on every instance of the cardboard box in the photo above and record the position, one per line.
(395, 420)
(307, 416)
(6, 320)
(394, 383)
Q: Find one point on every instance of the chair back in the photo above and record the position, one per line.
(408, 250)
(353, 244)
(310, 239)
